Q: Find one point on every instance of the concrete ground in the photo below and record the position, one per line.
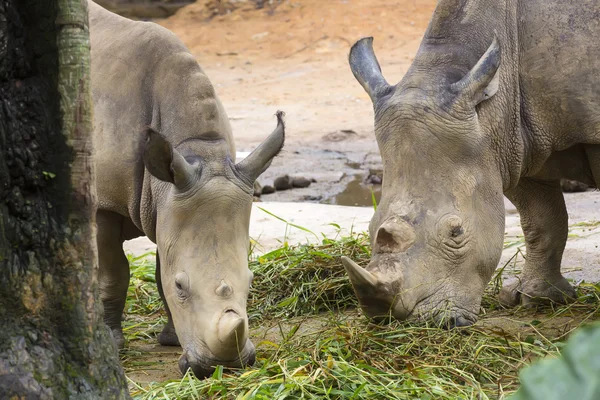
(581, 259)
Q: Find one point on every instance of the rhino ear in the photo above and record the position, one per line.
(482, 81)
(366, 69)
(259, 160)
(164, 162)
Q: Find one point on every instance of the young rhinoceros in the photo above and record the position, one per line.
(175, 182)
(502, 97)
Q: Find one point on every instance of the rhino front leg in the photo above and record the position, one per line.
(168, 336)
(113, 271)
(545, 224)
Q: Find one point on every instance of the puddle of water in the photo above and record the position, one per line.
(357, 194)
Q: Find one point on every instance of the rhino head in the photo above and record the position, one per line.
(437, 233)
(203, 204)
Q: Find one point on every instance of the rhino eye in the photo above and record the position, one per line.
(454, 226)
(182, 285)
(456, 231)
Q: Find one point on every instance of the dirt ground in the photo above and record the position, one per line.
(295, 59)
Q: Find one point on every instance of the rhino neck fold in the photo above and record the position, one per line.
(146, 218)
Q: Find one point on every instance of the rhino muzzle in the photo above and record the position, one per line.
(228, 346)
(382, 301)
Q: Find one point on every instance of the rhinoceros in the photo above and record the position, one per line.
(503, 97)
(165, 169)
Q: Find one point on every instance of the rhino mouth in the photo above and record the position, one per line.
(203, 363)
(443, 313)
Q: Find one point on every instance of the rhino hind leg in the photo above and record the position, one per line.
(113, 272)
(168, 336)
(545, 224)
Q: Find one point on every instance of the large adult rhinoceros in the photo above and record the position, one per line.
(502, 97)
(165, 169)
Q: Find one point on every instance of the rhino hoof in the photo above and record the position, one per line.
(168, 336)
(117, 335)
(573, 186)
(536, 291)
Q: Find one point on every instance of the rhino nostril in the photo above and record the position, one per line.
(394, 235)
(184, 364)
(231, 310)
(458, 322)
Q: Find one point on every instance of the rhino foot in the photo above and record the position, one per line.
(117, 335)
(168, 336)
(518, 291)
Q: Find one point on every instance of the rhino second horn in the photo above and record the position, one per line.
(259, 160)
(483, 81)
(232, 330)
(358, 275)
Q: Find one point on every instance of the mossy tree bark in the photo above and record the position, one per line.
(53, 342)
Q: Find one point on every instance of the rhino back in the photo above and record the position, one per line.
(142, 75)
(559, 68)
(549, 79)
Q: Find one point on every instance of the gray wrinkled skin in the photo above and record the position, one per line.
(502, 97)
(165, 169)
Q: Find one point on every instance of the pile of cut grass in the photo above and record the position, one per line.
(346, 357)
(327, 350)
(305, 280)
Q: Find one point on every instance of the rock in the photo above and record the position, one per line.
(283, 183)
(256, 199)
(375, 176)
(257, 189)
(301, 182)
(374, 180)
(268, 189)
(573, 186)
(312, 198)
(320, 176)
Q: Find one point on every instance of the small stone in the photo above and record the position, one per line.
(268, 189)
(301, 182)
(257, 189)
(283, 183)
(375, 176)
(374, 179)
(256, 199)
(312, 198)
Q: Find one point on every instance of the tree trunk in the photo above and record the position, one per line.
(53, 342)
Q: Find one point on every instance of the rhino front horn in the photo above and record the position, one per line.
(358, 275)
(366, 69)
(232, 331)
